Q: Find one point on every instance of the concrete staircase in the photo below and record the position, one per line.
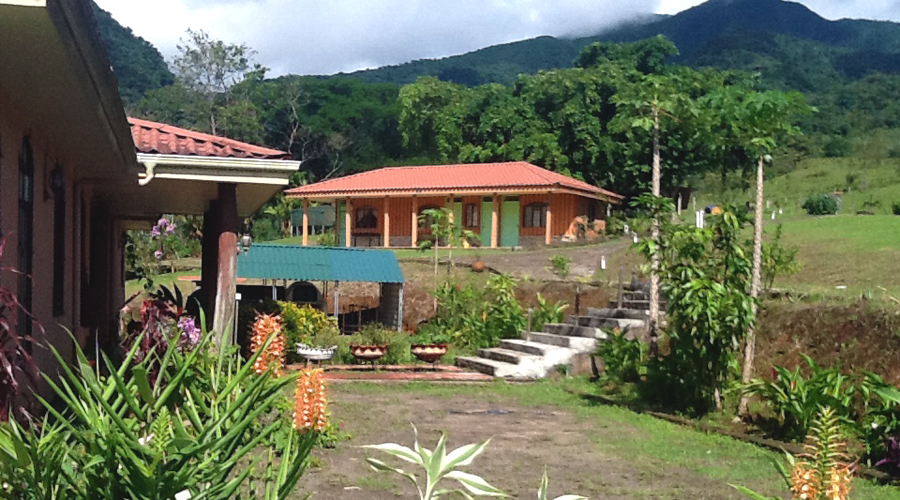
(570, 344)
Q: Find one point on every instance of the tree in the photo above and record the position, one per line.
(444, 229)
(757, 121)
(281, 209)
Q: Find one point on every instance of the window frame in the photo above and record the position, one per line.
(361, 214)
(472, 215)
(530, 210)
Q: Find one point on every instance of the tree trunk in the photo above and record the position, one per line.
(750, 341)
(654, 257)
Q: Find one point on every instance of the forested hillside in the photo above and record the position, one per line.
(138, 66)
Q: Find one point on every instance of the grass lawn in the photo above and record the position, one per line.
(597, 451)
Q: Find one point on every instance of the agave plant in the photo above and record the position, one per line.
(191, 432)
(439, 465)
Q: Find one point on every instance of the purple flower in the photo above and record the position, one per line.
(190, 334)
(158, 254)
(893, 454)
(162, 223)
(170, 229)
(155, 231)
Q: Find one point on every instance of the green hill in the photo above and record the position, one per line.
(137, 64)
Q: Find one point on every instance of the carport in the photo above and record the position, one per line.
(292, 263)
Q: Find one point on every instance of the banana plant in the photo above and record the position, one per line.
(439, 465)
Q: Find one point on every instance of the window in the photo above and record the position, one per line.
(535, 215)
(26, 234)
(425, 219)
(58, 185)
(473, 215)
(366, 218)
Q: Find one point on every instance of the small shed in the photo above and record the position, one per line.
(330, 264)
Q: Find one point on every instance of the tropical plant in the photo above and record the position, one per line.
(546, 313)
(623, 359)
(191, 433)
(267, 340)
(439, 465)
(797, 399)
(823, 471)
(777, 259)
(706, 278)
(446, 230)
(821, 204)
(308, 325)
(880, 425)
(560, 265)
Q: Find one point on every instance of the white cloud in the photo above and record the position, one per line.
(323, 37)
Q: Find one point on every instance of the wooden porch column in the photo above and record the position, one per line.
(414, 241)
(495, 221)
(451, 217)
(348, 214)
(548, 234)
(305, 222)
(228, 223)
(387, 222)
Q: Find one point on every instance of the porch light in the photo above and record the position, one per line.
(246, 241)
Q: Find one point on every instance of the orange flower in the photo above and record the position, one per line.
(804, 482)
(310, 401)
(839, 478)
(265, 326)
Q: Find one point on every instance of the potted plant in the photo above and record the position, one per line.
(429, 345)
(312, 331)
(373, 344)
(321, 347)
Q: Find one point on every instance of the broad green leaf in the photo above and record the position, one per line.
(463, 455)
(475, 484)
(399, 451)
(752, 494)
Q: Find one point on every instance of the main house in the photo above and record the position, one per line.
(75, 173)
(505, 204)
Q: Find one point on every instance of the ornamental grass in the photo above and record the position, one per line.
(310, 401)
(264, 327)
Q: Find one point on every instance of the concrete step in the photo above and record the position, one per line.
(574, 330)
(528, 347)
(508, 356)
(607, 312)
(486, 366)
(579, 344)
(620, 323)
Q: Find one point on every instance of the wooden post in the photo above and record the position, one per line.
(226, 276)
(348, 223)
(548, 231)
(305, 222)
(387, 222)
(451, 217)
(414, 240)
(495, 221)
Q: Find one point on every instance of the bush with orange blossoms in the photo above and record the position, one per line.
(310, 401)
(266, 326)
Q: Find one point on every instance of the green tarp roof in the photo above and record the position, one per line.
(294, 262)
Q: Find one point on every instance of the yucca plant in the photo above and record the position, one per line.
(439, 465)
(192, 432)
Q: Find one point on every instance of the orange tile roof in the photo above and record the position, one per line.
(500, 177)
(159, 138)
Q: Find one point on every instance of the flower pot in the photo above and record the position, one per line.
(314, 353)
(368, 352)
(478, 266)
(428, 353)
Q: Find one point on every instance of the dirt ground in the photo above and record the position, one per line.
(579, 453)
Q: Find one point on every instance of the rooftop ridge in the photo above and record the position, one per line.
(203, 137)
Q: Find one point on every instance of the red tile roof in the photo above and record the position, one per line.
(159, 138)
(500, 177)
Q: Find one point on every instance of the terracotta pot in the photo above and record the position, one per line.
(478, 266)
(428, 353)
(368, 352)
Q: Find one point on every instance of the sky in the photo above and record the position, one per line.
(331, 36)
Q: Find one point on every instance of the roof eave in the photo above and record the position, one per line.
(487, 191)
(216, 169)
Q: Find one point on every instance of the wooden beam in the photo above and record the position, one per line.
(495, 221)
(348, 223)
(387, 222)
(305, 222)
(548, 232)
(228, 223)
(414, 241)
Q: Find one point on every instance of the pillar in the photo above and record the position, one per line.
(208, 251)
(414, 240)
(348, 222)
(548, 230)
(451, 217)
(387, 222)
(495, 221)
(305, 222)
(228, 223)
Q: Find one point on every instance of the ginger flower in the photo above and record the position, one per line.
(310, 401)
(265, 326)
(839, 478)
(804, 482)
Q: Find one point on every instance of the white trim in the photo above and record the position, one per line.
(214, 169)
(25, 3)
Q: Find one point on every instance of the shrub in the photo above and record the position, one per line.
(308, 325)
(547, 313)
(623, 359)
(778, 260)
(880, 426)
(797, 399)
(327, 239)
(821, 204)
(895, 208)
(837, 147)
(560, 266)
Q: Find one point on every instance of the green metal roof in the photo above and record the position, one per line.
(294, 262)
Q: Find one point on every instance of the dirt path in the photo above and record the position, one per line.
(534, 263)
(579, 453)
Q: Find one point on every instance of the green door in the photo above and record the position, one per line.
(486, 215)
(509, 224)
(458, 214)
(341, 220)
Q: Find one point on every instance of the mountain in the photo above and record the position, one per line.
(137, 64)
(792, 45)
